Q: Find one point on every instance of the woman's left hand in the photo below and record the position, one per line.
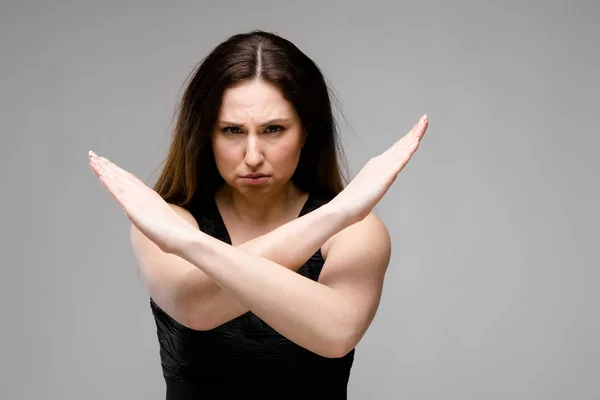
(145, 208)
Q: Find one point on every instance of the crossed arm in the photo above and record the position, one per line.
(208, 282)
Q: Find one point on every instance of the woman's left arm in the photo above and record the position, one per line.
(328, 317)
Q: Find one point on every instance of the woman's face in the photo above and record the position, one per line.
(257, 132)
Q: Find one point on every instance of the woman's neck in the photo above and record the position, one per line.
(264, 209)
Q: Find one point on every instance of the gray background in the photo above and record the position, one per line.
(490, 292)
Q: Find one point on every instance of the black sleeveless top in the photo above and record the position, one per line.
(245, 356)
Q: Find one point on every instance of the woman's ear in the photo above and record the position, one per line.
(304, 136)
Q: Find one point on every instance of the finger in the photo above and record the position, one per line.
(118, 173)
(111, 168)
(108, 165)
(423, 127)
(407, 142)
(110, 179)
(120, 191)
(403, 156)
(108, 172)
(111, 185)
(418, 130)
(97, 166)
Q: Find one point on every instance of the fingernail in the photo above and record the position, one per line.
(423, 119)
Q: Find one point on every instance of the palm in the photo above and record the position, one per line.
(376, 177)
(142, 205)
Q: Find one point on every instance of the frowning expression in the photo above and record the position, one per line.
(258, 132)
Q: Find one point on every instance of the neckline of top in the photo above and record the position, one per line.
(221, 222)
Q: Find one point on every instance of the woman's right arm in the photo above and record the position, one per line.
(193, 299)
(189, 296)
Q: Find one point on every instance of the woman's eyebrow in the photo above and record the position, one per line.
(270, 122)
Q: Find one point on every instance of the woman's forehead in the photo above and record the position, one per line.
(255, 100)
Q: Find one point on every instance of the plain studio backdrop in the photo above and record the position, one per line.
(491, 291)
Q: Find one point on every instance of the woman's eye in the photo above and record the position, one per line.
(231, 129)
(236, 130)
(274, 128)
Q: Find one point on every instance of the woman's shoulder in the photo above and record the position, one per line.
(185, 214)
(371, 229)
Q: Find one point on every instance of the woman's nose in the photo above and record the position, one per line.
(254, 156)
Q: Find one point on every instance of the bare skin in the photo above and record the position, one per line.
(257, 131)
(157, 220)
(225, 282)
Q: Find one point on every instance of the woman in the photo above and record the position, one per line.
(264, 272)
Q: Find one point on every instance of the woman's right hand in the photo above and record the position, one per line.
(375, 178)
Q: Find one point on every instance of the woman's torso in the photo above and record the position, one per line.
(245, 355)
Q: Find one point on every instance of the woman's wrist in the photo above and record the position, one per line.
(293, 243)
(336, 216)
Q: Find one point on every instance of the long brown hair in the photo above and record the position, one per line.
(190, 171)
